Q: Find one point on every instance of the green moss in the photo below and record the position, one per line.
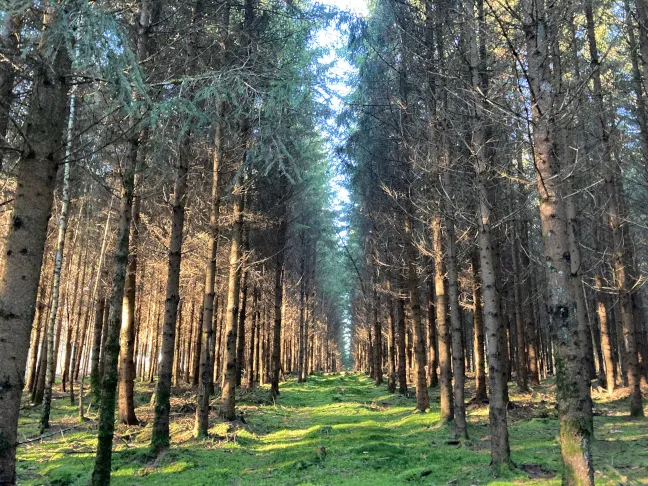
(370, 437)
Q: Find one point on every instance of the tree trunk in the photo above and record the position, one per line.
(478, 324)
(401, 344)
(205, 374)
(160, 435)
(445, 358)
(25, 241)
(278, 305)
(243, 272)
(126, 401)
(58, 264)
(433, 362)
(458, 365)
(95, 379)
(422, 397)
(106, 425)
(228, 397)
(574, 402)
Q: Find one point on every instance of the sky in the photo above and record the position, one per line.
(332, 38)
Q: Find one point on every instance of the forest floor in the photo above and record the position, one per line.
(370, 438)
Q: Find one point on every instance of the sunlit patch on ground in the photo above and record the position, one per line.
(337, 429)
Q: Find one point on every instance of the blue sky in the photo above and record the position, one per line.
(332, 38)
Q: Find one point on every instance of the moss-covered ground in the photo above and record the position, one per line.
(332, 430)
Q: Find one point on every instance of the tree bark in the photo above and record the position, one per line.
(106, 425)
(228, 396)
(126, 401)
(574, 402)
(205, 375)
(444, 334)
(160, 435)
(478, 325)
(278, 306)
(422, 397)
(25, 241)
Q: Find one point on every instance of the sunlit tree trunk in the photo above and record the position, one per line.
(228, 396)
(574, 402)
(278, 306)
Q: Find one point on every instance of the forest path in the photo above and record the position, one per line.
(334, 430)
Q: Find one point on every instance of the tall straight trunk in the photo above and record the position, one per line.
(606, 343)
(160, 435)
(478, 325)
(58, 265)
(302, 319)
(205, 375)
(444, 334)
(106, 425)
(400, 343)
(228, 396)
(422, 397)
(391, 346)
(458, 363)
(378, 341)
(197, 345)
(39, 385)
(25, 241)
(189, 343)
(126, 401)
(147, 17)
(39, 318)
(574, 402)
(494, 325)
(278, 306)
(614, 192)
(522, 375)
(177, 353)
(433, 362)
(240, 347)
(528, 291)
(95, 379)
(82, 261)
(254, 340)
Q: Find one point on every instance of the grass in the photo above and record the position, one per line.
(337, 429)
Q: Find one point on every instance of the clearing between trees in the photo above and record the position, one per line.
(334, 429)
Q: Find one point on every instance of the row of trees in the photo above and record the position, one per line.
(192, 242)
(497, 162)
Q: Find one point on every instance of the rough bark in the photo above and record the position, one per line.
(160, 434)
(106, 422)
(574, 402)
(25, 241)
(484, 162)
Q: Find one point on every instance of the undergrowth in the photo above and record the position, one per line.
(336, 429)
